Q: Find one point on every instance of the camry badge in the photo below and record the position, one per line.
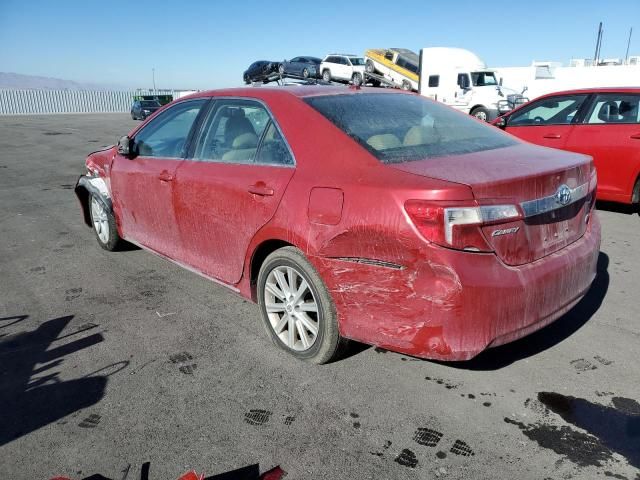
(504, 231)
(563, 195)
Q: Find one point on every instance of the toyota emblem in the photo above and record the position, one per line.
(563, 195)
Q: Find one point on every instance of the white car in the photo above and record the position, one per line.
(343, 67)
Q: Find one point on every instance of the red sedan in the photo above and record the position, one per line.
(378, 216)
(603, 123)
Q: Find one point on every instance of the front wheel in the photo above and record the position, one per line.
(356, 79)
(104, 225)
(369, 67)
(481, 113)
(305, 73)
(296, 307)
(406, 85)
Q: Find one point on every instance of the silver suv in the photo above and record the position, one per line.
(343, 67)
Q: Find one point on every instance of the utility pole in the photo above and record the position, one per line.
(626, 56)
(596, 56)
(153, 73)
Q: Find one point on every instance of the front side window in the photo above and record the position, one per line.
(166, 135)
(357, 61)
(483, 79)
(614, 108)
(434, 81)
(549, 111)
(398, 128)
(232, 132)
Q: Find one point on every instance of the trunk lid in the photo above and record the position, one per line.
(527, 176)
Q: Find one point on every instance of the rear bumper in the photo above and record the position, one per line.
(452, 305)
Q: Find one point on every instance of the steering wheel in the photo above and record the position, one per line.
(538, 120)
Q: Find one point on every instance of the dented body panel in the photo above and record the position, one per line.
(345, 211)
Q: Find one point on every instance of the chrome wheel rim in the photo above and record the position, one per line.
(100, 220)
(481, 116)
(291, 307)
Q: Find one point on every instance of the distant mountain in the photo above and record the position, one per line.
(17, 81)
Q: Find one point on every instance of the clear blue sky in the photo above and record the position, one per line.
(207, 44)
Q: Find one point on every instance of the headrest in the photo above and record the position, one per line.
(628, 110)
(384, 141)
(246, 140)
(237, 112)
(418, 136)
(608, 112)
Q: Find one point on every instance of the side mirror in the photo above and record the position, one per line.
(125, 146)
(501, 122)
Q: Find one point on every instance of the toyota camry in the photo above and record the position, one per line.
(348, 213)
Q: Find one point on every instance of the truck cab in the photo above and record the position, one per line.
(458, 78)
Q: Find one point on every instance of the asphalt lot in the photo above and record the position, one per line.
(110, 360)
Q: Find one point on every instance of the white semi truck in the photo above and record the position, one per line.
(460, 79)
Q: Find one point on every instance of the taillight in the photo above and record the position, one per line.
(457, 224)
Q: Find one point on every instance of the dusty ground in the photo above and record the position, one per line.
(109, 360)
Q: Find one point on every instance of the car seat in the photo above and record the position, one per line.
(236, 125)
(628, 112)
(419, 135)
(243, 148)
(384, 141)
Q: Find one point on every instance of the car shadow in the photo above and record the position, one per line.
(32, 394)
(617, 207)
(551, 335)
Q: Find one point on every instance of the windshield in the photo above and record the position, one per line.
(399, 128)
(356, 60)
(149, 103)
(482, 79)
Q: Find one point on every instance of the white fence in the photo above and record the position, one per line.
(24, 102)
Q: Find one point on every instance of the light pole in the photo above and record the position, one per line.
(153, 74)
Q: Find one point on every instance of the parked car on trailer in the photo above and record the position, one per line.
(601, 122)
(261, 71)
(141, 109)
(379, 216)
(343, 67)
(399, 65)
(305, 67)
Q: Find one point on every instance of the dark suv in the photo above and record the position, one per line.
(141, 109)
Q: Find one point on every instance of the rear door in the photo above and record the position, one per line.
(142, 187)
(610, 132)
(230, 186)
(547, 121)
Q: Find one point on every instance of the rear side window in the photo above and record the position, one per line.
(614, 108)
(549, 111)
(398, 128)
(434, 81)
(273, 150)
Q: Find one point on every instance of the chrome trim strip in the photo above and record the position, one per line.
(547, 204)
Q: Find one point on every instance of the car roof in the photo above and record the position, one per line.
(593, 90)
(300, 91)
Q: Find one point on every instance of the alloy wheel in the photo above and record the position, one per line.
(292, 309)
(100, 220)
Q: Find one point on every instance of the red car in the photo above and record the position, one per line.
(603, 123)
(349, 213)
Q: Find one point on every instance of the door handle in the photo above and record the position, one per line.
(165, 176)
(260, 189)
(636, 136)
(554, 136)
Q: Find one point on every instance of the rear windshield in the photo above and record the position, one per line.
(149, 103)
(402, 128)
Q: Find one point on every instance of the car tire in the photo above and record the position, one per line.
(133, 117)
(313, 310)
(406, 85)
(356, 79)
(281, 69)
(305, 73)
(369, 67)
(104, 224)
(480, 113)
(326, 75)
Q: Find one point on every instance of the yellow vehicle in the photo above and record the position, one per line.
(399, 66)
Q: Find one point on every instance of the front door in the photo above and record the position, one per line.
(142, 186)
(230, 186)
(547, 121)
(610, 133)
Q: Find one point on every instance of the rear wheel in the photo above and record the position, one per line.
(481, 113)
(326, 75)
(406, 85)
(281, 69)
(356, 79)
(296, 307)
(305, 73)
(635, 195)
(104, 224)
